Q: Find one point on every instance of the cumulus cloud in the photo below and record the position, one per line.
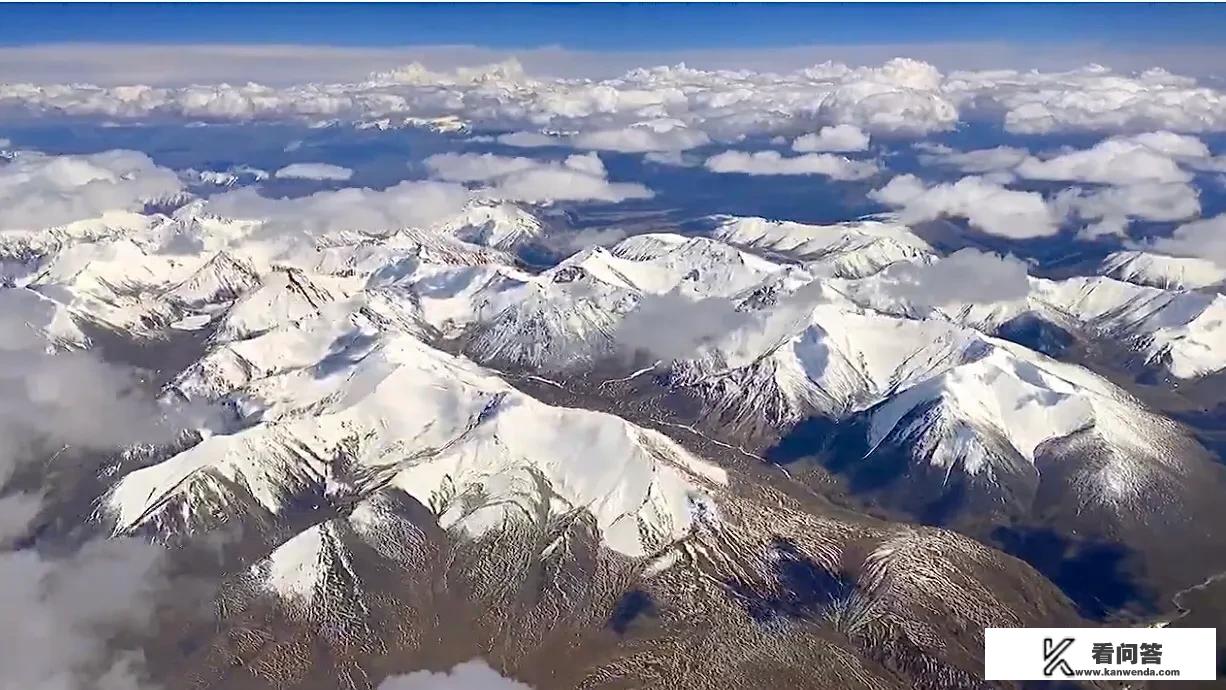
(839, 138)
(39, 191)
(576, 178)
(1118, 161)
(968, 276)
(314, 171)
(986, 205)
(774, 163)
(899, 97)
(902, 96)
(676, 159)
(979, 161)
(1204, 239)
(1140, 176)
(1111, 208)
(408, 204)
(470, 675)
(44, 403)
(69, 608)
(1092, 98)
(476, 167)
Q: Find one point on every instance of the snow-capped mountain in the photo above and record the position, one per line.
(569, 314)
(457, 439)
(284, 296)
(1008, 415)
(379, 438)
(846, 250)
(1178, 330)
(1160, 270)
(221, 280)
(498, 224)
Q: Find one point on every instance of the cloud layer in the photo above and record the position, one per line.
(674, 108)
(38, 191)
(407, 204)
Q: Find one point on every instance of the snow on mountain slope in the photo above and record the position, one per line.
(285, 296)
(846, 250)
(1182, 331)
(1160, 270)
(113, 282)
(695, 266)
(221, 280)
(567, 316)
(110, 225)
(829, 359)
(550, 326)
(496, 224)
(977, 418)
(438, 427)
(355, 254)
(341, 330)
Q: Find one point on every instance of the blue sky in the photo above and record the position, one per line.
(612, 26)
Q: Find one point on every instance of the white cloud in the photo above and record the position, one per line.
(577, 178)
(640, 139)
(774, 163)
(314, 171)
(476, 167)
(1203, 239)
(39, 191)
(840, 138)
(69, 610)
(74, 607)
(979, 161)
(968, 276)
(986, 205)
(1091, 98)
(1118, 161)
(408, 204)
(1141, 176)
(1113, 207)
(901, 96)
(673, 326)
(1172, 144)
(528, 140)
(470, 675)
(673, 158)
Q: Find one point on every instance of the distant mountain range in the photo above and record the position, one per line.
(753, 456)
